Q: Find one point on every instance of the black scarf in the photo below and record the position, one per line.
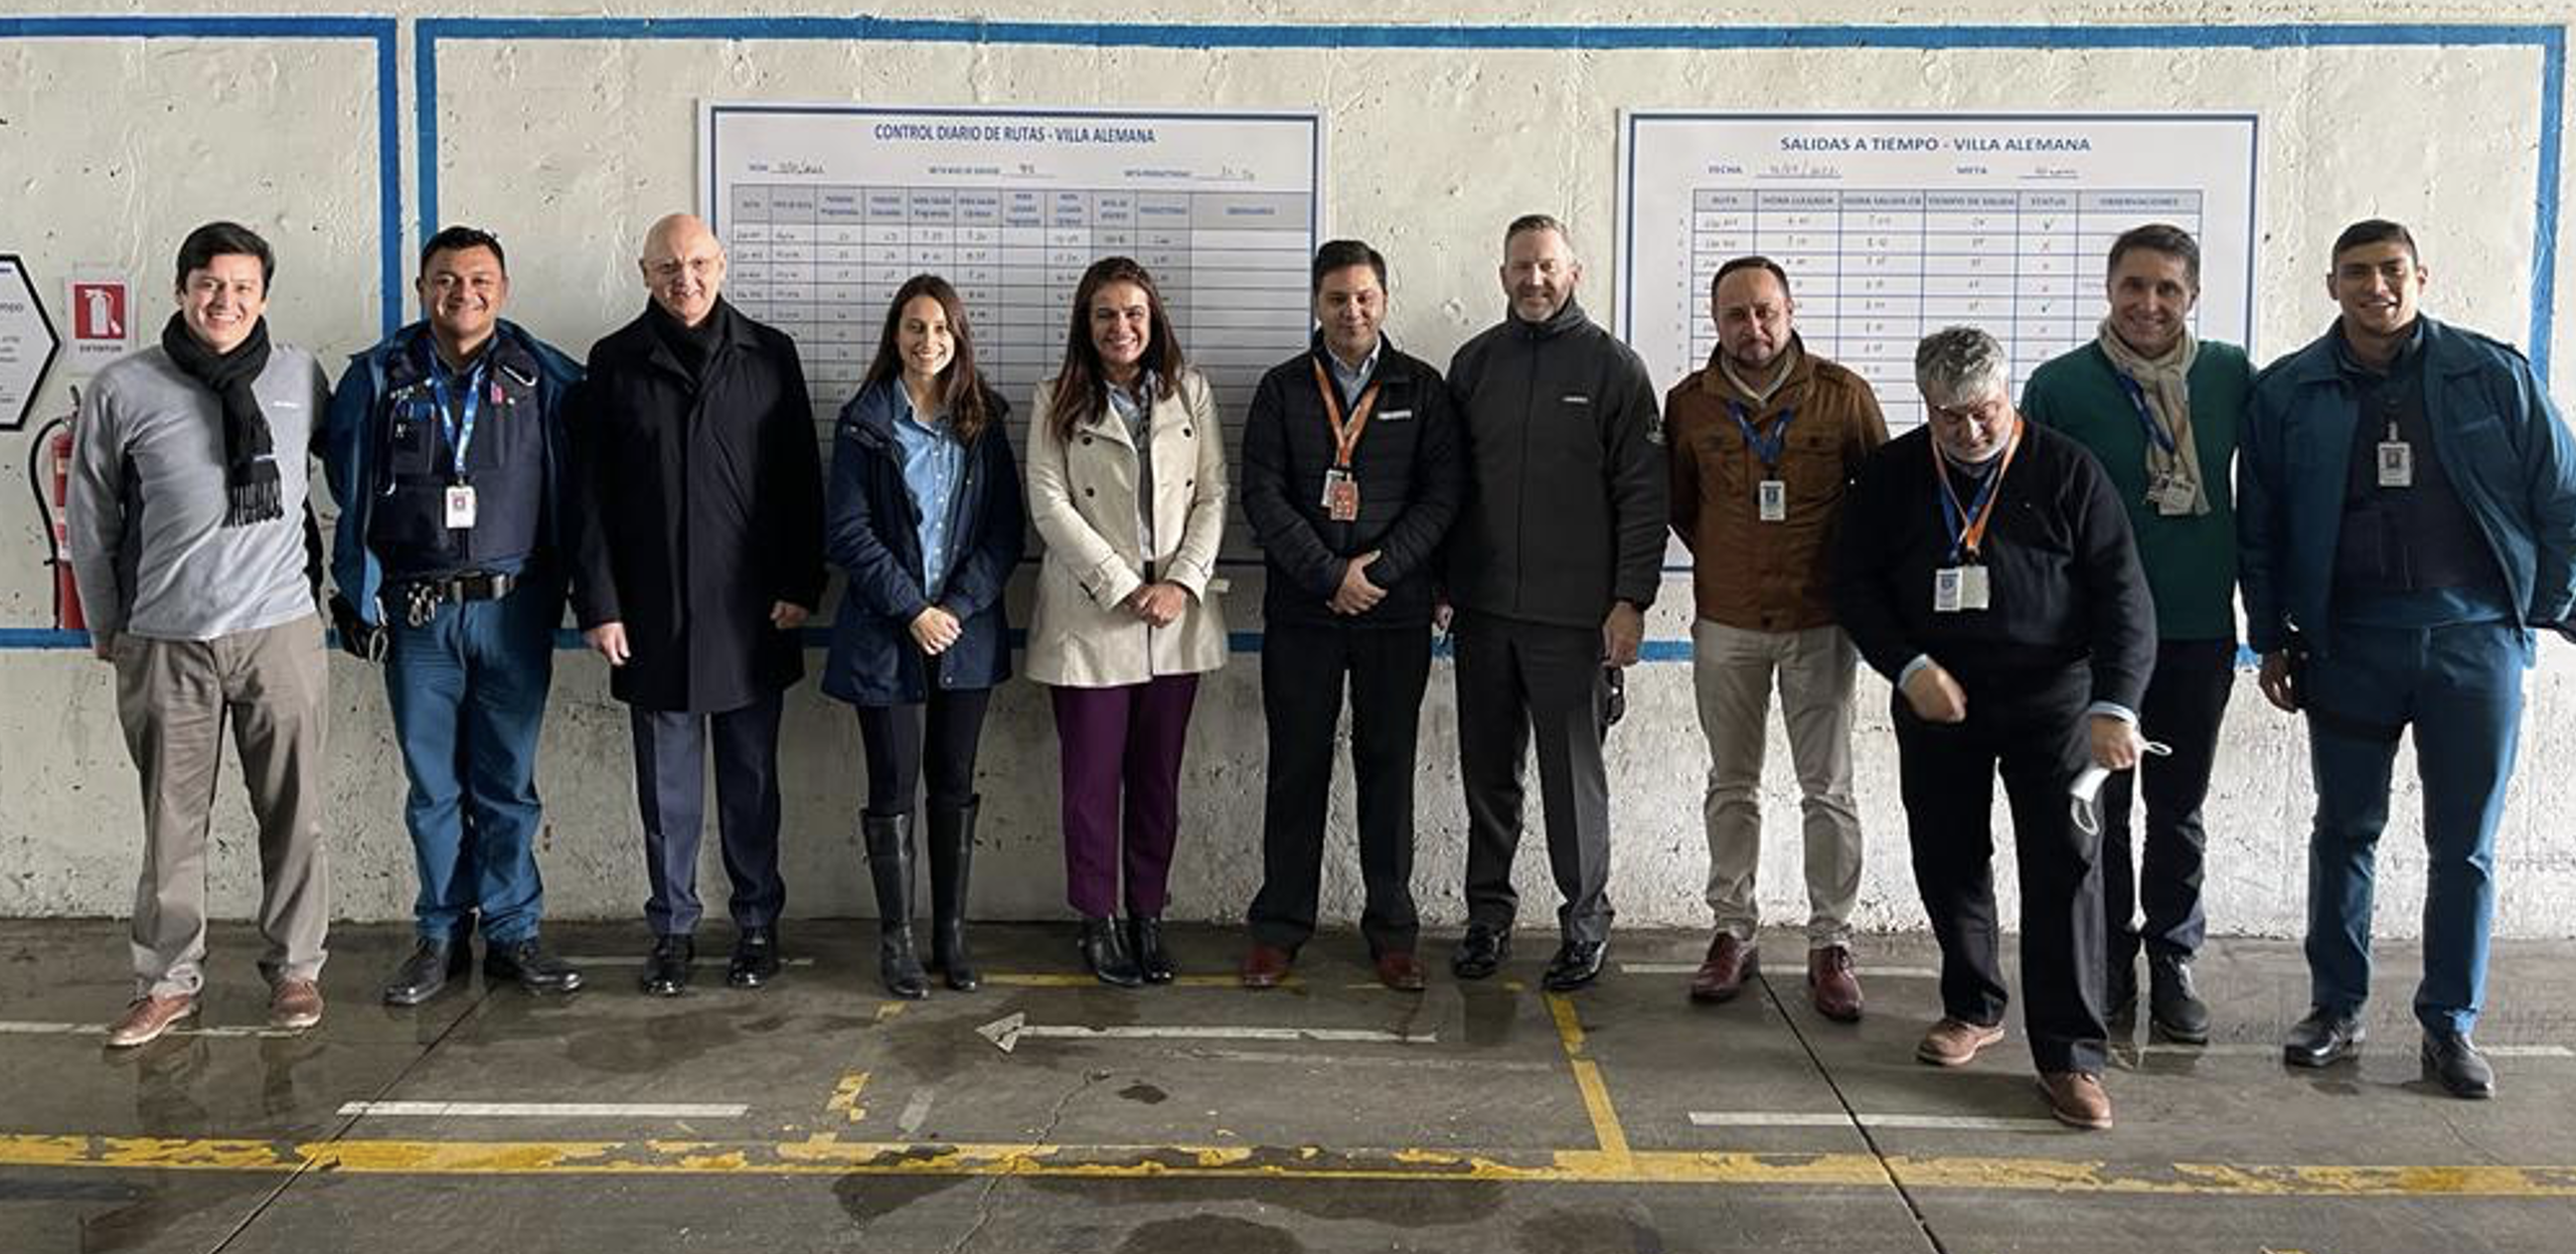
(250, 462)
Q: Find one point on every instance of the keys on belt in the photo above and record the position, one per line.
(421, 598)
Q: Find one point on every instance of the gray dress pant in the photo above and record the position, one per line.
(1516, 680)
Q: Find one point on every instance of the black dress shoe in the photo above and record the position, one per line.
(2323, 1038)
(1576, 964)
(666, 972)
(2174, 1007)
(2453, 1061)
(755, 958)
(1481, 952)
(1104, 953)
(426, 971)
(527, 964)
(1145, 945)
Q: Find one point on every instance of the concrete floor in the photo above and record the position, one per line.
(816, 1115)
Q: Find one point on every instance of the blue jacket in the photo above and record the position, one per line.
(872, 531)
(354, 451)
(2500, 441)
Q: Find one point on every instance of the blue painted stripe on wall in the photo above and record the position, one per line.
(384, 31)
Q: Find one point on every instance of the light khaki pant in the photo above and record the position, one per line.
(1733, 671)
(174, 698)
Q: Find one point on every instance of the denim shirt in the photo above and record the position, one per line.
(933, 462)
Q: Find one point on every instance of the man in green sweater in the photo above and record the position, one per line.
(2160, 408)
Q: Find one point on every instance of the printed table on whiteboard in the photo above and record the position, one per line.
(1891, 226)
(826, 209)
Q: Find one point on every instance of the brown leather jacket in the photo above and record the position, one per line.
(1747, 573)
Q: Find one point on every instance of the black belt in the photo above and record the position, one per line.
(422, 597)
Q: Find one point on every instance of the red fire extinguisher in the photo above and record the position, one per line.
(56, 446)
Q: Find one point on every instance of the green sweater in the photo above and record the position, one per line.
(2190, 560)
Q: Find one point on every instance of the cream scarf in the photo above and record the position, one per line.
(2166, 383)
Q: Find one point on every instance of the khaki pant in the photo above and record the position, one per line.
(1733, 671)
(174, 697)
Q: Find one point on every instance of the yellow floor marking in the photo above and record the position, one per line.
(825, 1156)
(845, 1097)
(1587, 1078)
(1058, 979)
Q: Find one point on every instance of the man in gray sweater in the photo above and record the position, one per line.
(1554, 559)
(189, 539)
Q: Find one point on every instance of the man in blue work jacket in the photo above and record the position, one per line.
(2406, 515)
(445, 450)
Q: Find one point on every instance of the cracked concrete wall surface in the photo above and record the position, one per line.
(113, 144)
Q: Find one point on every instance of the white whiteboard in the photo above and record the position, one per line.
(1893, 225)
(826, 209)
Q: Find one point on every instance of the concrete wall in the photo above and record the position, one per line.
(118, 135)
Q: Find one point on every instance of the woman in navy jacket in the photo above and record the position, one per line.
(924, 515)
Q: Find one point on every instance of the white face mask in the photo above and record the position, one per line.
(2087, 786)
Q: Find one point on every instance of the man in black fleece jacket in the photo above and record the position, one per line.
(1555, 559)
(1985, 566)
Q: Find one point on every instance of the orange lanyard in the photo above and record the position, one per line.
(1346, 435)
(1967, 523)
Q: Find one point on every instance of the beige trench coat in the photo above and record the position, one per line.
(1082, 499)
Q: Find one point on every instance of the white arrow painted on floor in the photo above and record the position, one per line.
(1008, 1031)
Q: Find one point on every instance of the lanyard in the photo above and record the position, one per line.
(1767, 451)
(1346, 435)
(458, 429)
(2156, 433)
(1966, 526)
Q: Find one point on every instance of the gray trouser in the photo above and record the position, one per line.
(1516, 679)
(1733, 670)
(174, 698)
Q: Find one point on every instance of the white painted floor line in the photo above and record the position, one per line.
(546, 1110)
(1865, 972)
(1799, 1119)
(26, 1028)
(915, 1112)
(1007, 1032)
(2403, 1048)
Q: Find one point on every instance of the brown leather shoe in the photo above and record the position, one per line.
(1397, 970)
(1722, 975)
(295, 1005)
(2077, 1099)
(1832, 984)
(148, 1018)
(1265, 966)
(1955, 1042)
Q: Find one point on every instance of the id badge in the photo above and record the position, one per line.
(1341, 495)
(1960, 588)
(1771, 496)
(460, 507)
(2174, 497)
(2396, 464)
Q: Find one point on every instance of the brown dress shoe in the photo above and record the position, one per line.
(1832, 983)
(149, 1017)
(1397, 970)
(1955, 1042)
(2077, 1099)
(1265, 966)
(1729, 961)
(295, 1005)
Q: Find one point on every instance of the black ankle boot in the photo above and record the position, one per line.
(1104, 950)
(952, 852)
(1145, 944)
(889, 841)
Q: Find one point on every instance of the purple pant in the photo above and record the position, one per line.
(1130, 737)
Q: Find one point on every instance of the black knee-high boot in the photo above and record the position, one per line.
(889, 841)
(952, 853)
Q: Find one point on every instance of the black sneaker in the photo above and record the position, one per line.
(2174, 1008)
